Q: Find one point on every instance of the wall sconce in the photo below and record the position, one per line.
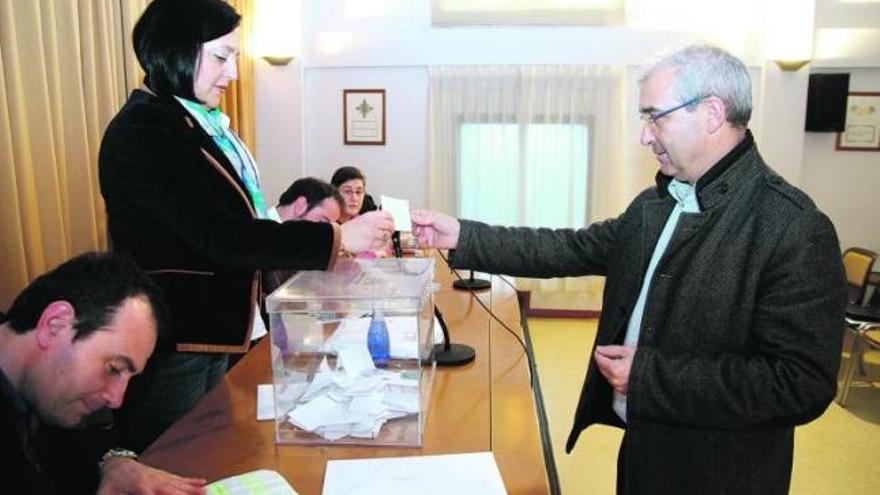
(789, 32)
(791, 65)
(278, 59)
(277, 26)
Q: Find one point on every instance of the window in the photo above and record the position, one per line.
(533, 174)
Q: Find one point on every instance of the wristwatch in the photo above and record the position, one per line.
(116, 453)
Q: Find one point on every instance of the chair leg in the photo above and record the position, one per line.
(855, 355)
(862, 371)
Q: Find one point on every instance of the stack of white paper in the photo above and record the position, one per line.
(461, 474)
(356, 399)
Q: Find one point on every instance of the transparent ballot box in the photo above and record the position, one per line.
(351, 353)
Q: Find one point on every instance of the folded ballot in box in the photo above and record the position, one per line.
(351, 353)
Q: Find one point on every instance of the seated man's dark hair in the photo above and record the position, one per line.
(314, 190)
(95, 284)
(169, 36)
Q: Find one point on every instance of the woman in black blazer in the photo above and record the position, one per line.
(183, 198)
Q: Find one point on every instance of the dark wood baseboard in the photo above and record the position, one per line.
(525, 300)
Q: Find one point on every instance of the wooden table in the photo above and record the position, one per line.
(485, 405)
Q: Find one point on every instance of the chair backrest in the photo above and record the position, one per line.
(857, 263)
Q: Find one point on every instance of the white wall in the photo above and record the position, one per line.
(389, 44)
(279, 123)
(397, 169)
(845, 184)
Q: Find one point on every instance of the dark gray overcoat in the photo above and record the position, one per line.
(741, 333)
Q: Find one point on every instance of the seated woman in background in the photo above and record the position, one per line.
(352, 186)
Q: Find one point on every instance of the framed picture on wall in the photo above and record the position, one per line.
(363, 119)
(862, 129)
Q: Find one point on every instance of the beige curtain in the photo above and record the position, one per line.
(65, 70)
(61, 81)
(131, 11)
(238, 101)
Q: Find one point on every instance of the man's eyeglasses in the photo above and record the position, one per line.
(651, 117)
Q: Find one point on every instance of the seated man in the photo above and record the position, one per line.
(68, 347)
(308, 199)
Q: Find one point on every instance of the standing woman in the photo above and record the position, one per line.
(183, 198)
(352, 186)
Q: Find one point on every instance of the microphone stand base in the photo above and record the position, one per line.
(456, 355)
(471, 284)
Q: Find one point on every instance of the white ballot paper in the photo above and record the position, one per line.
(461, 474)
(355, 399)
(399, 209)
(265, 402)
(260, 482)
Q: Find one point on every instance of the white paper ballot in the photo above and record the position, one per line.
(399, 209)
(338, 405)
(261, 482)
(355, 360)
(265, 402)
(461, 474)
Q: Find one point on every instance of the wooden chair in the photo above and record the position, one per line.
(857, 263)
(862, 320)
(864, 323)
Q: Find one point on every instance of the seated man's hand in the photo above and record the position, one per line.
(367, 232)
(434, 229)
(130, 477)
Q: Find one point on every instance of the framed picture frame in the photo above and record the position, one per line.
(363, 120)
(862, 128)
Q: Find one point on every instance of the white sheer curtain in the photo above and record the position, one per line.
(537, 135)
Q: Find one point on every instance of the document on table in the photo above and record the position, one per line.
(265, 402)
(261, 482)
(461, 474)
(399, 209)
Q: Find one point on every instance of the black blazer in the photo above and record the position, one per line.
(175, 203)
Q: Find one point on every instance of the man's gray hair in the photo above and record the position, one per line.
(706, 70)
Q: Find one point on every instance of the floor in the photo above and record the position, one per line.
(838, 454)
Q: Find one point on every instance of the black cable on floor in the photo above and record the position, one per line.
(543, 423)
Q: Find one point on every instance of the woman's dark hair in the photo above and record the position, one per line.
(345, 174)
(169, 36)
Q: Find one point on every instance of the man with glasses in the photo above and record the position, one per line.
(724, 294)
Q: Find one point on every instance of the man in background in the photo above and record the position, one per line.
(69, 345)
(307, 199)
